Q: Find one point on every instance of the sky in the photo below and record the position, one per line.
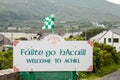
(114, 1)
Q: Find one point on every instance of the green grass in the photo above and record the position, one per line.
(90, 77)
(111, 68)
(97, 76)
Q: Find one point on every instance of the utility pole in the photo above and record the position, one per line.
(85, 33)
(112, 30)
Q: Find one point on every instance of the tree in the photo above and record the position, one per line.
(6, 59)
(92, 32)
(22, 38)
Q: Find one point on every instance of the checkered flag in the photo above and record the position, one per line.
(49, 22)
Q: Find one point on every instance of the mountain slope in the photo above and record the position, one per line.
(63, 9)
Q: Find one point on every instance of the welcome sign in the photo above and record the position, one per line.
(53, 53)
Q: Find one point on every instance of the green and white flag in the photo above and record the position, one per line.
(49, 22)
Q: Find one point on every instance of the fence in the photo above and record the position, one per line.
(48, 76)
(10, 75)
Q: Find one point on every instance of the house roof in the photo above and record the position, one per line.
(4, 40)
(116, 31)
(98, 36)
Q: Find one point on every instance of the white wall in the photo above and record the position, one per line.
(111, 35)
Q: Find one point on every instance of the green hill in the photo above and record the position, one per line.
(22, 10)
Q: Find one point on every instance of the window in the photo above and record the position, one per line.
(109, 39)
(104, 40)
(116, 40)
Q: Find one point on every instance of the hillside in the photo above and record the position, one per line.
(94, 10)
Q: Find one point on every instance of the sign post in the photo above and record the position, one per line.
(53, 54)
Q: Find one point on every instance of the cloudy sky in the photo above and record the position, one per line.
(114, 1)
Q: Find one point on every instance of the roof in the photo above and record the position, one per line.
(98, 36)
(4, 40)
(116, 31)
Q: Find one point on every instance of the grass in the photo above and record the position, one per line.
(109, 69)
(103, 72)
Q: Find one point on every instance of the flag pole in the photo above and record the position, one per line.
(53, 31)
(53, 27)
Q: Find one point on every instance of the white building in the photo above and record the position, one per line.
(111, 37)
(97, 37)
(96, 24)
(12, 28)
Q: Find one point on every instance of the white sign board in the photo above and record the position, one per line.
(53, 54)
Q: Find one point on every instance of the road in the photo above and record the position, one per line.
(112, 76)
